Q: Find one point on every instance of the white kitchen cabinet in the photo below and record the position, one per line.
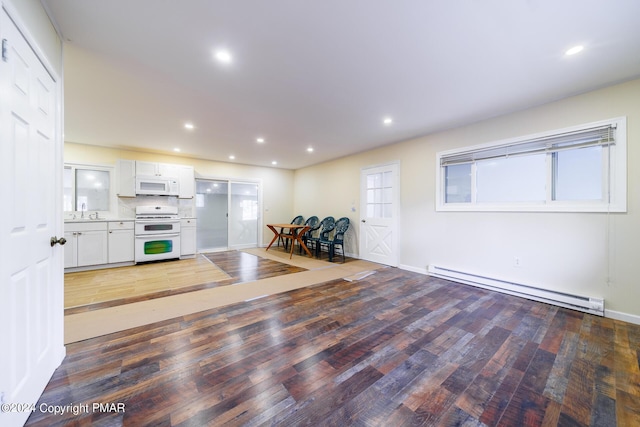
(126, 178)
(121, 241)
(87, 244)
(127, 170)
(187, 181)
(70, 249)
(187, 236)
(166, 170)
(157, 169)
(92, 247)
(147, 168)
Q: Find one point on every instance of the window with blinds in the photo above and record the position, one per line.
(577, 169)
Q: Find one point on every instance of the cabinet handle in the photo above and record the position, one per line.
(110, 231)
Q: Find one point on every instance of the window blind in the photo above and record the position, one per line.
(601, 135)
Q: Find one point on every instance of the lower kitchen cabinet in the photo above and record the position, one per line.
(121, 241)
(187, 236)
(86, 244)
(70, 249)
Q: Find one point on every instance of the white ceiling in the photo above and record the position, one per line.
(324, 73)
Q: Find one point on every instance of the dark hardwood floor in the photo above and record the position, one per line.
(394, 349)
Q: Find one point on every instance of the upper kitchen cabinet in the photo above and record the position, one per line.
(184, 175)
(127, 170)
(157, 169)
(126, 178)
(187, 182)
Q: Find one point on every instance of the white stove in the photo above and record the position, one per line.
(157, 232)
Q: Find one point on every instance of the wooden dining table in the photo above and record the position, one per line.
(295, 234)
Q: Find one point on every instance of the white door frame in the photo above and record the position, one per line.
(379, 235)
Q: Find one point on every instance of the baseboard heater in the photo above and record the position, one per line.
(574, 302)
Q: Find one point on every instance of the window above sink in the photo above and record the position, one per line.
(87, 188)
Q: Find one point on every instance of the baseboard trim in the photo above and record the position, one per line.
(413, 269)
(625, 317)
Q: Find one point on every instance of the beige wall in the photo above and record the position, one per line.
(582, 253)
(277, 184)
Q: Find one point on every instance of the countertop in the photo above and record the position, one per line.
(99, 220)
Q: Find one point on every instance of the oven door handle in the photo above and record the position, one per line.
(155, 221)
(156, 236)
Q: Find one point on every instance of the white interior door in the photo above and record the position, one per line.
(379, 200)
(31, 273)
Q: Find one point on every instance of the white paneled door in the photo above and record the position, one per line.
(379, 200)
(31, 273)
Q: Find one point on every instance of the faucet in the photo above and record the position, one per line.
(83, 208)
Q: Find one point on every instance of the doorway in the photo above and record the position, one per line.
(379, 211)
(212, 201)
(227, 215)
(243, 215)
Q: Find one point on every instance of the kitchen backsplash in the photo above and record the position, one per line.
(127, 206)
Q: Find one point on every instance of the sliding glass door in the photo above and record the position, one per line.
(227, 215)
(243, 215)
(212, 201)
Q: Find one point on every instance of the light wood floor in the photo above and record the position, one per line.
(96, 286)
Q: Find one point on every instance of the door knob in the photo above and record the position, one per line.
(364, 220)
(55, 240)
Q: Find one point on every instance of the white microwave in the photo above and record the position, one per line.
(157, 186)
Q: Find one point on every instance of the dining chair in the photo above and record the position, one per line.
(297, 221)
(314, 224)
(336, 240)
(325, 229)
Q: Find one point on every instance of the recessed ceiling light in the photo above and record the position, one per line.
(574, 50)
(310, 149)
(188, 125)
(387, 121)
(274, 163)
(223, 56)
(232, 157)
(260, 140)
(177, 150)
